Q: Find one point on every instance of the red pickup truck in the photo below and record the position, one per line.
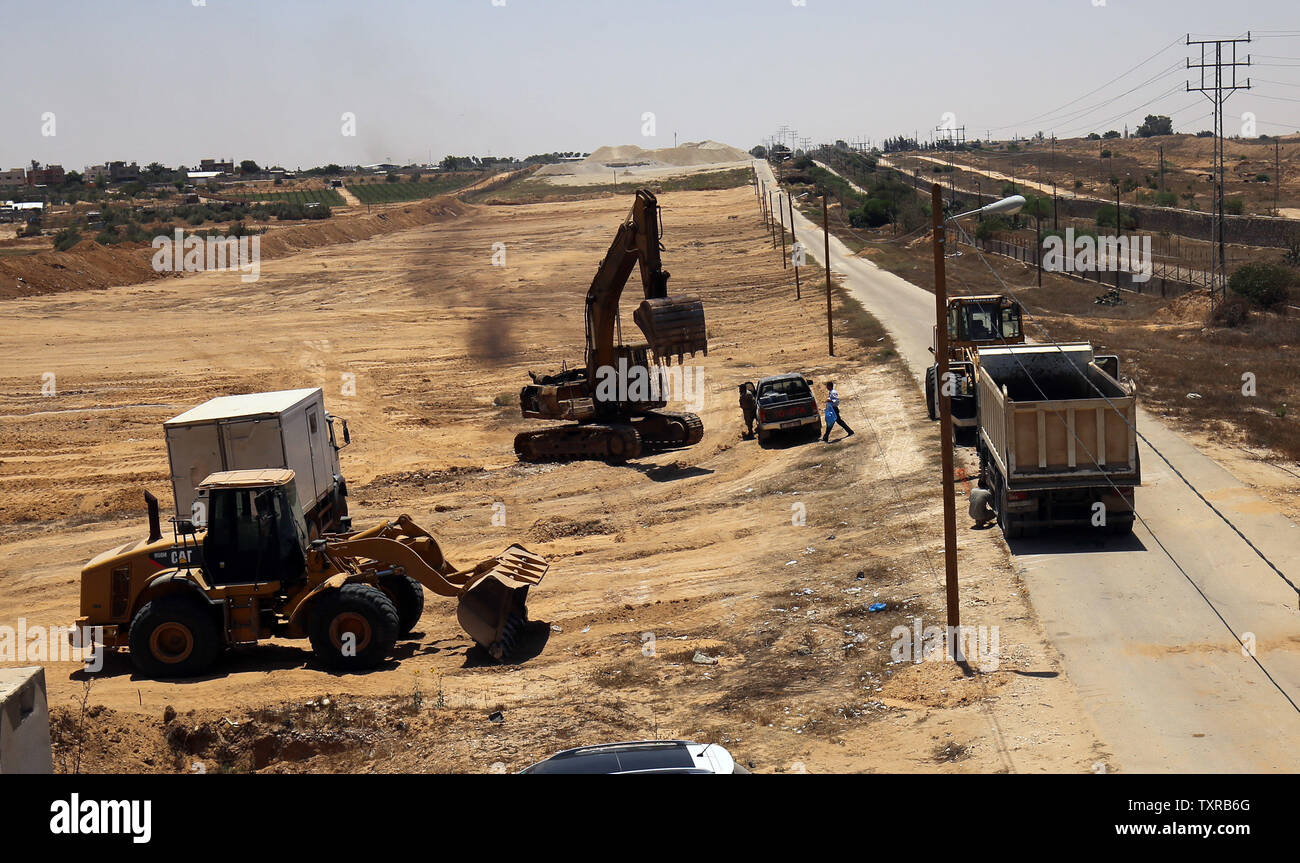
(786, 403)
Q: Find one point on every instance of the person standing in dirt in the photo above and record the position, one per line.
(748, 407)
(833, 412)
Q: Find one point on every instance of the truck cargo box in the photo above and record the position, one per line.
(1057, 435)
(286, 429)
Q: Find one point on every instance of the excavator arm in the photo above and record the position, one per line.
(672, 326)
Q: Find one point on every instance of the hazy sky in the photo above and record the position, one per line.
(172, 81)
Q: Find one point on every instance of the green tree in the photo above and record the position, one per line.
(1265, 284)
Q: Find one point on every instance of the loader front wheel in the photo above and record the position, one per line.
(931, 392)
(353, 628)
(408, 596)
(173, 636)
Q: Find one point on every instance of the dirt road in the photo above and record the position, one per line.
(1145, 633)
(761, 561)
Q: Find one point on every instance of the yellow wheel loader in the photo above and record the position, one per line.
(247, 570)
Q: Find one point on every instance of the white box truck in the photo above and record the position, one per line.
(287, 429)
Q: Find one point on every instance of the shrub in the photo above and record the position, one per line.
(66, 239)
(874, 213)
(1234, 206)
(1264, 284)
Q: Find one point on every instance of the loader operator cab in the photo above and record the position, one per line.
(256, 531)
(980, 320)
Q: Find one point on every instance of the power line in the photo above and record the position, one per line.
(1090, 92)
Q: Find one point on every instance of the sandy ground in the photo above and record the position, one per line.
(652, 562)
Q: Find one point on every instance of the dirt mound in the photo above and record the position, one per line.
(689, 155)
(558, 527)
(1191, 308)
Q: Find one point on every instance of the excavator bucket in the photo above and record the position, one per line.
(673, 326)
(492, 608)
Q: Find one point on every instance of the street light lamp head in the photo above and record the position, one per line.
(1007, 206)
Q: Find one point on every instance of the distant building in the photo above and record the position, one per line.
(50, 175)
(121, 172)
(13, 178)
(222, 167)
(95, 174)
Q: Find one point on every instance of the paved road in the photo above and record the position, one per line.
(1164, 681)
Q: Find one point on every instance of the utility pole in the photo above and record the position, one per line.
(830, 332)
(945, 405)
(1277, 175)
(1217, 90)
(785, 262)
(794, 244)
(772, 211)
(1119, 231)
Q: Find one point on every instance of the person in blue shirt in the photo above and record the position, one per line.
(833, 412)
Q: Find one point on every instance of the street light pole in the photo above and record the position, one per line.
(945, 405)
(942, 383)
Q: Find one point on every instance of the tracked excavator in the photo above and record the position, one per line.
(614, 401)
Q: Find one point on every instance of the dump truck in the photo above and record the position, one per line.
(251, 572)
(987, 320)
(786, 404)
(1057, 438)
(614, 400)
(286, 429)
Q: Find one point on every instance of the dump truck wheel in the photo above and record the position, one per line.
(353, 628)
(173, 636)
(408, 596)
(931, 375)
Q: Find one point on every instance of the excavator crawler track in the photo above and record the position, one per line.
(669, 429)
(614, 442)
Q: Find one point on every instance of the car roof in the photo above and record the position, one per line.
(645, 756)
(783, 377)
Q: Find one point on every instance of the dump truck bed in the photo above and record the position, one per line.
(1049, 415)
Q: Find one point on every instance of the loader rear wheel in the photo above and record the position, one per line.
(173, 636)
(408, 596)
(353, 628)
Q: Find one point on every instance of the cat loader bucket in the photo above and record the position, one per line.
(673, 326)
(491, 595)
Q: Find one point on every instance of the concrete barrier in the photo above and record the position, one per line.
(24, 722)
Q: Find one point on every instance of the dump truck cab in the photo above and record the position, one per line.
(973, 322)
